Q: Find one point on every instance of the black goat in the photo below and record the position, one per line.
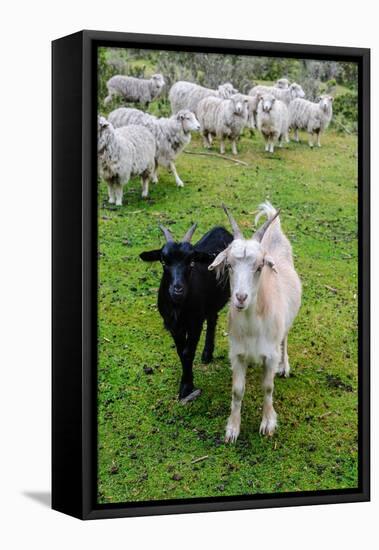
(189, 294)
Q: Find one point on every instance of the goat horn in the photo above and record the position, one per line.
(188, 236)
(237, 234)
(167, 233)
(259, 234)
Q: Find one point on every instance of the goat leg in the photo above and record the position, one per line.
(207, 354)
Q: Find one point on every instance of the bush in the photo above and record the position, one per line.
(345, 109)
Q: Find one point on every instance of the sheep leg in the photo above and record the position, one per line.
(268, 423)
(145, 186)
(271, 145)
(238, 390)
(210, 139)
(207, 141)
(111, 194)
(234, 147)
(118, 193)
(222, 146)
(154, 177)
(287, 136)
(310, 139)
(296, 135)
(318, 139)
(179, 182)
(207, 354)
(267, 144)
(284, 367)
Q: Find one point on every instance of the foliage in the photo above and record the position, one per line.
(345, 112)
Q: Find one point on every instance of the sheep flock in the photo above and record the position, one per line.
(132, 142)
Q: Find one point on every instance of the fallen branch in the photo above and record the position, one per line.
(199, 459)
(217, 155)
(334, 290)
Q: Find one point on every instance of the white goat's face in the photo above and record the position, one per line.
(244, 260)
(188, 120)
(239, 104)
(268, 102)
(296, 91)
(325, 102)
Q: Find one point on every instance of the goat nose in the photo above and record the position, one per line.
(178, 289)
(241, 297)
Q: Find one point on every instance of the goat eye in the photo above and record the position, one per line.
(192, 264)
(259, 269)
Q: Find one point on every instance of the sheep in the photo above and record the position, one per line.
(171, 134)
(189, 294)
(265, 299)
(124, 153)
(286, 95)
(137, 90)
(187, 95)
(223, 118)
(313, 117)
(282, 83)
(272, 121)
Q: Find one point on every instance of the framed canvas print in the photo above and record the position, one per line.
(210, 274)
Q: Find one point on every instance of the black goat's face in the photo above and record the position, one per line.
(178, 261)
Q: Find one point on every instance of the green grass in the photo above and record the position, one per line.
(147, 440)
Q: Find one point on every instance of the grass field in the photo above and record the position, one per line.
(148, 442)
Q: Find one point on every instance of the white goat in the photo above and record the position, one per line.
(124, 153)
(272, 121)
(171, 134)
(187, 95)
(136, 90)
(223, 118)
(313, 117)
(265, 299)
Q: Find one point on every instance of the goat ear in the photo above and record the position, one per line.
(269, 261)
(218, 260)
(151, 255)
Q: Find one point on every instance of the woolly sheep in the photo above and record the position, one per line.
(286, 95)
(124, 153)
(282, 83)
(138, 90)
(313, 117)
(171, 134)
(187, 95)
(272, 121)
(223, 118)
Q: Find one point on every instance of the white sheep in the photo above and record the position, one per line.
(187, 95)
(171, 134)
(284, 94)
(312, 117)
(223, 118)
(272, 121)
(265, 299)
(282, 83)
(123, 153)
(137, 90)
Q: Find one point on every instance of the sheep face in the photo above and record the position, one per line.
(188, 121)
(103, 129)
(326, 102)
(226, 90)
(282, 83)
(296, 91)
(267, 102)
(239, 104)
(158, 82)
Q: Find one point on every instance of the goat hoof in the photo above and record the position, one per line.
(190, 397)
(206, 357)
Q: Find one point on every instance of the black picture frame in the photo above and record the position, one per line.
(74, 273)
